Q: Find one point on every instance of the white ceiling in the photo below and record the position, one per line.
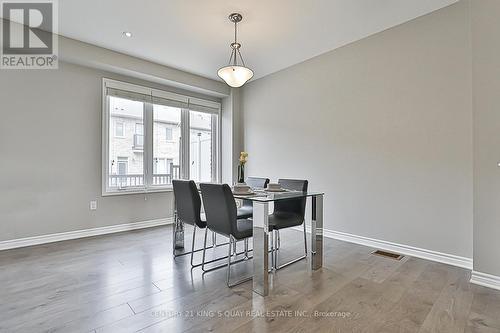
(194, 35)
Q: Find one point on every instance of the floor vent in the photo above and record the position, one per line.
(390, 255)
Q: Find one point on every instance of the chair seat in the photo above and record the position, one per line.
(245, 212)
(245, 229)
(284, 220)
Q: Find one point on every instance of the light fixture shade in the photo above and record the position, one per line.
(235, 76)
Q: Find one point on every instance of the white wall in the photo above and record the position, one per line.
(383, 126)
(486, 83)
(50, 155)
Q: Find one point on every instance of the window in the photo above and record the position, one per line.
(201, 157)
(125, 165)
(122, 171)
(169, 133)
(139, 136)
(122, 168)
(119, 130)
(156, 136)
(166, 117)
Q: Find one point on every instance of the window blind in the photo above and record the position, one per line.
(201, 105)
(144, 94)
(170, 99)
(128, 95)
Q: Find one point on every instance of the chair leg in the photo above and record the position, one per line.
(276, 252)
(305, 238)
(246, 248)
(273, 248)
(173, 236)
(192, 245)
(192, 249)
(230, 254)
(229, 261)
(294, 260)
(214, 239)
(230, 244)
(204, 249)
(230, 285)
(278, 241)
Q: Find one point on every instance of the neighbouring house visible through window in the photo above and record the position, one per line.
(157, 136)
(119, 129)
(162, 166)
(200, 148)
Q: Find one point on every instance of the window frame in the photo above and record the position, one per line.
(148, 160)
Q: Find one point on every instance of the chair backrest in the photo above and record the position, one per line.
(187, 202)
(296, 206)
(257, 182)
(220, 208)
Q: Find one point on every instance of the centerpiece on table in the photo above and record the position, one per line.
(241, 167)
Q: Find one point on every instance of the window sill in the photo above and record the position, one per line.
(137, 191)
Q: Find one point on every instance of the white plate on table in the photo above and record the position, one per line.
(276, 190)
(243, 193)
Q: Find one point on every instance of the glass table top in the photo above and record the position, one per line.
(267, 196)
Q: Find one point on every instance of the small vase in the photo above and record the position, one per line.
(241, 173)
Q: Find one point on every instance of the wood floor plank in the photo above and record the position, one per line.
(409, 313)
(87, 323)
(202, 312)
(175, 308)
(234, 319)
(450, 311)
(485, 310)
(130, 282)
(66, 310)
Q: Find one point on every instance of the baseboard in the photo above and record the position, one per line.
(450, 259)
(485, 280)
(444, 258)
(43, 239)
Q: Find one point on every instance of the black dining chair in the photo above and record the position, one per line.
(246, 209)
(221, 216)
(287, 214)
(188, 210)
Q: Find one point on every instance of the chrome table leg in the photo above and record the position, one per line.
(261, 248)
(317, 232)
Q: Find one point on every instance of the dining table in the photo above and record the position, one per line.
(261, 200)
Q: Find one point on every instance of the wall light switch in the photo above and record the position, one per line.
(93, 205)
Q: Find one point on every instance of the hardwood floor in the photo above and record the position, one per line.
(129, 282)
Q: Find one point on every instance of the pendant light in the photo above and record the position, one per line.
(235, 74)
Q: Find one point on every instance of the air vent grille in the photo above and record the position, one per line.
(395, 256)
